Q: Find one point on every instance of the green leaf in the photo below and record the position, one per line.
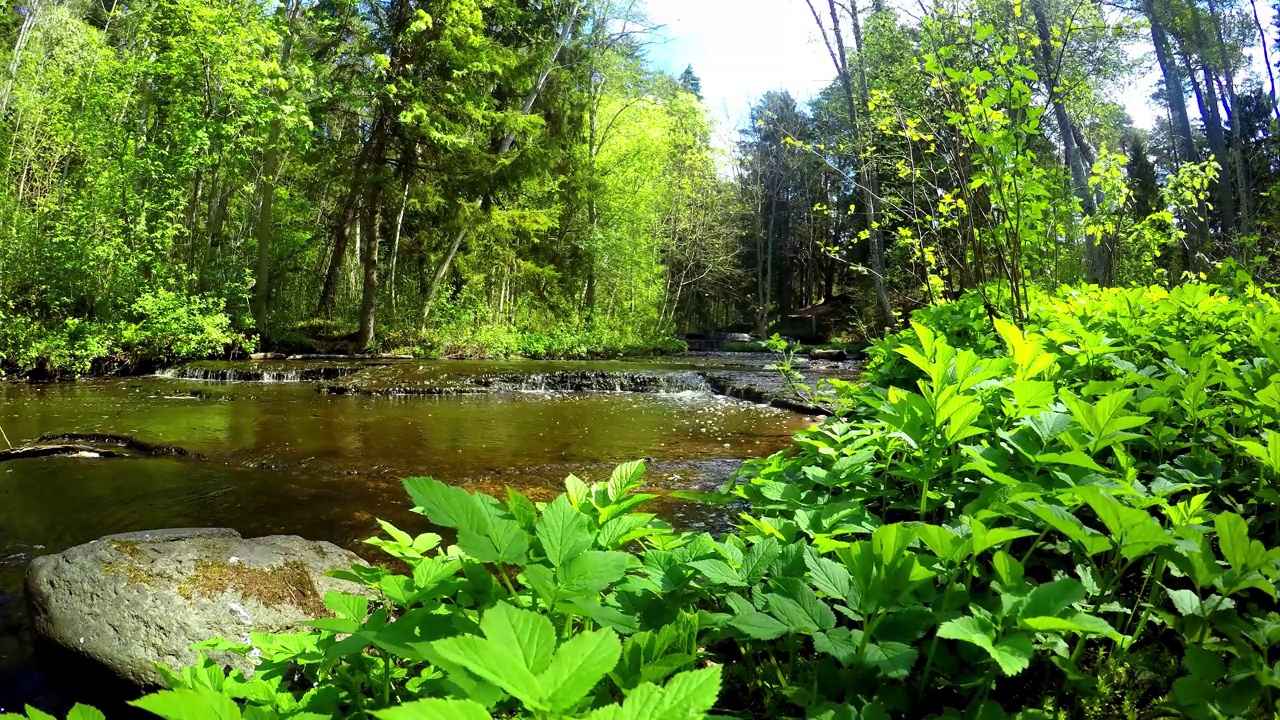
(1032, 395)
(445, 505)
(592, 572)
(580, 662)
(563, 532)
(984, 538)
(687, 696)
(893, 659)
(435, 709)
(719, 572)
(517, 645)
(84, 712)
(1233, 538)
(829, 577)
(755, 624)
(347, 607)
(198, 703)
(1012, 652)
(1185, 601)
(1082, 623)
(625, 478)
(502, 541)
(1052, 598)
(1134, 531)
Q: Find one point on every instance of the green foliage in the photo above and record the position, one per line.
(1072, 518)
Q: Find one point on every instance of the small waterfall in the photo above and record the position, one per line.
(580, 381)
(252, 374)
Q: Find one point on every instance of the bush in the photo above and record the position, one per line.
(163, 327)
(1076, 518)
(171, 326)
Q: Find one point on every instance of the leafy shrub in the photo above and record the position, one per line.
(171, 326)
(165, 327)
(1076, 518)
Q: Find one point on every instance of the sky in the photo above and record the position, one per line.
(744, 48)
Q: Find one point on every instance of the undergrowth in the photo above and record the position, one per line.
(1071, 518)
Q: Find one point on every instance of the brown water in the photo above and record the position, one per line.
(285, 458)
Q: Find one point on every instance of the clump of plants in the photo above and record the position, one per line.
(1071, 517)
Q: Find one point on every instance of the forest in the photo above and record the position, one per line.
(191, 179)
(1046, 490)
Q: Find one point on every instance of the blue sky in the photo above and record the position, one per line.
(743, 48)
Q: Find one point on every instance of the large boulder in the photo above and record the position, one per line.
(130, 601)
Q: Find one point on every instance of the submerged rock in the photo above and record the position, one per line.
(130, 601)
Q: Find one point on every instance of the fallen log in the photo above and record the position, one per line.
(92, 445)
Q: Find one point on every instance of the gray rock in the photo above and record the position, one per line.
(828, 354)
(130, 601)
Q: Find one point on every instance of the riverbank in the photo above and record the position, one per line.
(85, 349)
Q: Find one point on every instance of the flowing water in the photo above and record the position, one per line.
(318, 449)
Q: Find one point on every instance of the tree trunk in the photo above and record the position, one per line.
(1208, 105)
(34, 10)
(1097, 260)
(1264, 41)
(1174, 94)
(869, 185)
(369, 295)
(395, 241)
(270, 169)
(1230, 105)
(441, 270)
(1173, 80)
(341, 236)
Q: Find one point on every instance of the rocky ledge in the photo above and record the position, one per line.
(130, 601)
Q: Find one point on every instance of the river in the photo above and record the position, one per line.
(318, 449)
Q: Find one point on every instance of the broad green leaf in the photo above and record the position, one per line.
(446, 505)
(1233, 538)
(1032, 395)
(577, 491)
(758, 558)
(625, 478)
(563, 532)
(758, 625)
(840, 643)
(719, 572)
(435, 709)
(1052, 598)
(984, 538)
(579, 663)
(517, 645)
(592, 572)
(687, 696)
(1082, 623)
(84, 712)
(893, 659)
(199, 703)
(798, 607)
(943, 542)
(1064, 522)
(347, 607)
(526, 635)
(1011, 652)
(829, 577)
(1134, 531)
(1185, 601)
